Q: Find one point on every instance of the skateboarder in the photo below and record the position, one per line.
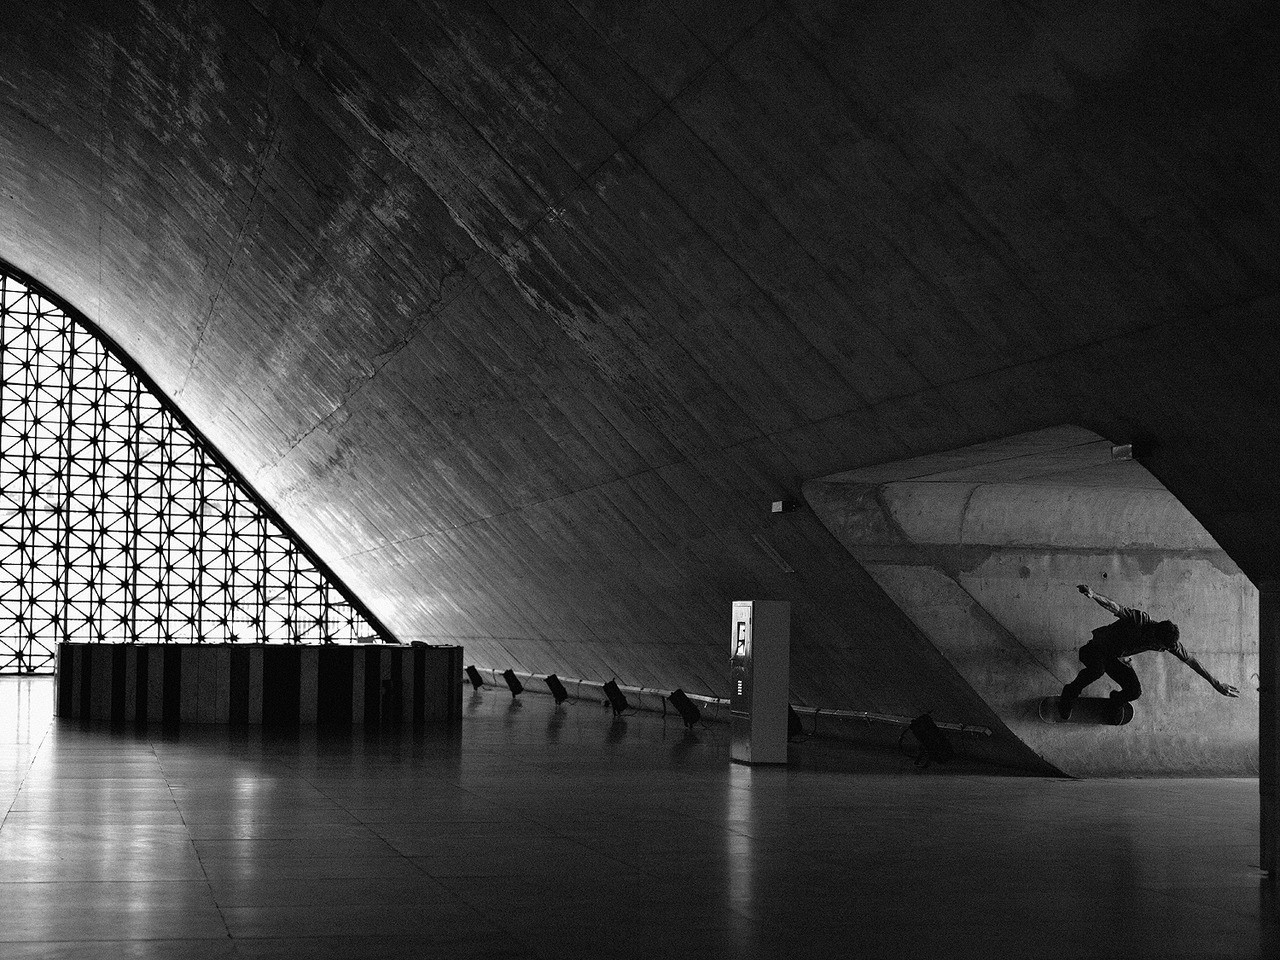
(1133, 632)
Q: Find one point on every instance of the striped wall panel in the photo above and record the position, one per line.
(246, 684)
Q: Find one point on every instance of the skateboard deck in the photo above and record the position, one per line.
(1088, 710)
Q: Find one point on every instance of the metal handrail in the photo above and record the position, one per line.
(720, 703)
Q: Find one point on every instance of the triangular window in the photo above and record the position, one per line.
(120, 523)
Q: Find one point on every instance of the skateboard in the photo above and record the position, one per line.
(1088, 710)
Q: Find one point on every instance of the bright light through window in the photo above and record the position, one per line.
(118, 523)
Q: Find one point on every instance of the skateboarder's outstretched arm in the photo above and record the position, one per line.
(1105, 602)
(1226, 689)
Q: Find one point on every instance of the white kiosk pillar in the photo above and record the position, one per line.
(760, 681)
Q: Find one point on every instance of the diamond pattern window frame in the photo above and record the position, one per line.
(120, 522)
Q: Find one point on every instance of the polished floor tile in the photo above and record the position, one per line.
(543, 832)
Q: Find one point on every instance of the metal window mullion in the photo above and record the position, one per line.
(98, 497)
(132, 525)
(4, 355)
(27, 486)
(260, 547)
(64, 487)
(17, 647)
(293, 616)
(200, 578)
(165, 556)
(44, 406)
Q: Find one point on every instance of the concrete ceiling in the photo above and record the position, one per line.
(523, 312)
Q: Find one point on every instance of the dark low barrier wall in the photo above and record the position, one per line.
(272, 684)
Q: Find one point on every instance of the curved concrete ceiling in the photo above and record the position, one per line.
(523, 312)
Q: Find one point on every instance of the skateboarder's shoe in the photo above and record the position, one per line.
(1066, 702)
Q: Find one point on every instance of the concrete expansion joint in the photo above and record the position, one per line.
(932, 387)
(487, 518)
(357, 384)
(260, 165)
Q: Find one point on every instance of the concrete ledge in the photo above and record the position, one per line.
(269, 684)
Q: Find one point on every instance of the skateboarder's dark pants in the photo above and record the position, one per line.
(1097, 662)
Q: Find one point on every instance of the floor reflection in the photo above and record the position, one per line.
(739, 829)
(26, 704)
(541, 832)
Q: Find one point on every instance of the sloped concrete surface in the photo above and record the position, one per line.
(523, 312)
(983, 549)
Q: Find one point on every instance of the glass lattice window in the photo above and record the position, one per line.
(118, 521)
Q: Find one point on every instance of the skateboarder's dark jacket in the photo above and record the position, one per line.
(1135, 632)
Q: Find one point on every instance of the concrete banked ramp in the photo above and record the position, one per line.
(982, 549)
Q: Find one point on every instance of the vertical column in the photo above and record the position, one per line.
(65, 668)
(405, 656)
(222, 683)
(386, 683)
(255, 684)
(1269, 719)
(142, 681)
(100, 689)
(238, 683)
(373, 661)
(171, 694)
(308, 681)
(357, 685)
(189, 684)
(119, 669)
(82, 682)
(453, 686)
(207, 684)
(130, 655)
(155, 682)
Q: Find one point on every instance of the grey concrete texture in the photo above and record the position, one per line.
(983, 548)
(523, 312)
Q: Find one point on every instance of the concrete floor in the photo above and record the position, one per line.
(555, 834)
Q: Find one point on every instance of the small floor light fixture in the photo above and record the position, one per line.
(557, 688)
(473, 675)
(616, 699)
(513, 682)
(689, 711)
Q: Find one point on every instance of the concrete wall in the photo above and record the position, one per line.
(988, 570)
(523, 312)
